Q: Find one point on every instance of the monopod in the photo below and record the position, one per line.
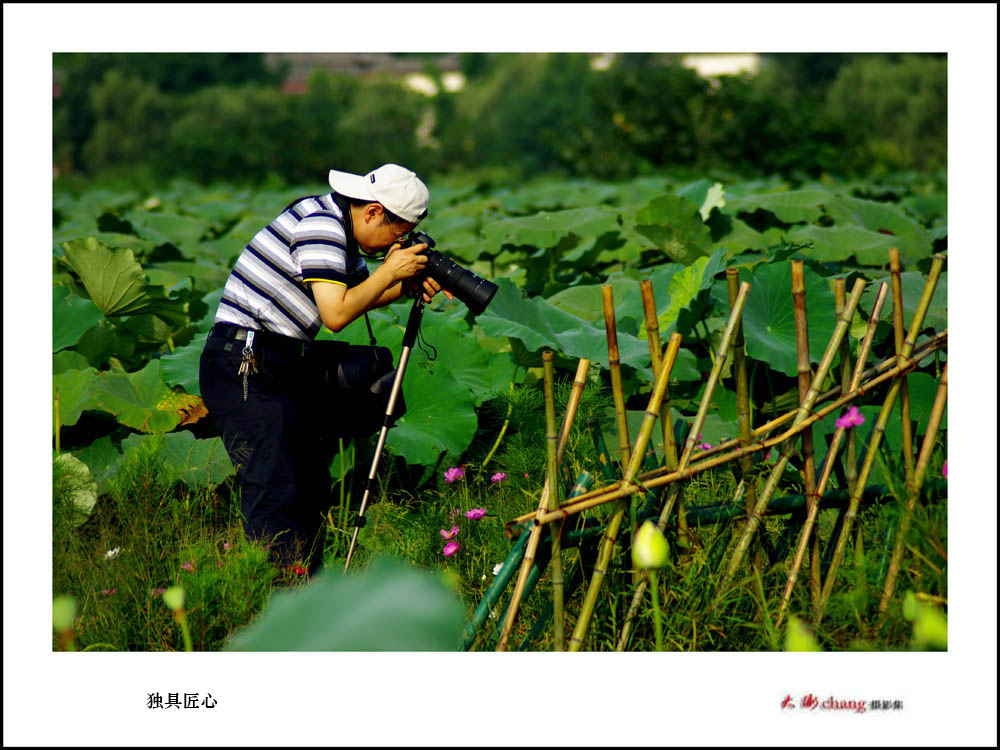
(409, 339)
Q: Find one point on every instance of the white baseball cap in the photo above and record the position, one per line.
(395, 187)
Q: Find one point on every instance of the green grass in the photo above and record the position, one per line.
(167, 535)
(146, 534)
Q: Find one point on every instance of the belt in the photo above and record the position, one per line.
(266, 339)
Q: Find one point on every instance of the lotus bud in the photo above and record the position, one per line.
(650, 548)
(799, 638)
(63, 613)
(174, 597)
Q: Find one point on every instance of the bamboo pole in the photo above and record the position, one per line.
(614, 365)
(801, 419)
(666, 421)
(913, 490)
(834, 446)
(743, 416)
(611, 533)
(728, 340)
(660, 477)
(878, 432)
(552, 480)
(804, 381)
(898, 334)
(529, 555)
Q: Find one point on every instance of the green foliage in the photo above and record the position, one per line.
(387, 607)
(138, 278)
(899, 106)
(133, 545)
(224, 116)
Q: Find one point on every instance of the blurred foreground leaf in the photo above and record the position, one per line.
(388, 607)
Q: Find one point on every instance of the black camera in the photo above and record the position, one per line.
(475, 291)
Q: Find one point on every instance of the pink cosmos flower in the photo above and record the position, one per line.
(220, 563)
(852, 418)
(109, 592)
(475, 514)
(156, 592)
(944, 470)
(498, 477)
(450, 549)
(227, 545)
(188, 566)
(450, 534)
(705, 446)
(454, 474)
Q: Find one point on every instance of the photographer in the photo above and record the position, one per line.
(269, 386)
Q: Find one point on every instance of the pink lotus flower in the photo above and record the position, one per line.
(188, 566)
(450, 534)
(852, 418)
(944, 470)
(450, 549)
(454, 474)
(498, 477)
(475, 514)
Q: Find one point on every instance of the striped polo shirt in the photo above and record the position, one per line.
(268, 288)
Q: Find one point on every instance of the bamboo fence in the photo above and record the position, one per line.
(662, 486)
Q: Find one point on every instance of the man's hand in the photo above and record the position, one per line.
(430, 287)
(405, 262)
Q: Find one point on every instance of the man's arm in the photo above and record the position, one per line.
(339, 306)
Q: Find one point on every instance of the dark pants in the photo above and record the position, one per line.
(281, 438)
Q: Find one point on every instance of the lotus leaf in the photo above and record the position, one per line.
(76, 394)
(769, 317)
(138, 400)
(390, 606)
(196, 462)
(76, 482)
(674, 225)
(912, 240)
(547, 229)
(72, 316)
(790, 207)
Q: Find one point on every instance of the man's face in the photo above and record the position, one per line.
(375, 234)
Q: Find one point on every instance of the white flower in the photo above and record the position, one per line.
(497, 568)
(112, 553)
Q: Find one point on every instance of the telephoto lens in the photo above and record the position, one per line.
(468, 287)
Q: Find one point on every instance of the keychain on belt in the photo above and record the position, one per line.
(249, 363)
